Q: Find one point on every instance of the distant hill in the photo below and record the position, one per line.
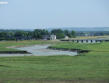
(84, 28)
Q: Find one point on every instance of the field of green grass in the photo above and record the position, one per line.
(101, 47)
(92, 67)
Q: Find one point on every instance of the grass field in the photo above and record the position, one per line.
(93, 67)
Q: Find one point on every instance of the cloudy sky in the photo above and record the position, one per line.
(26, 14)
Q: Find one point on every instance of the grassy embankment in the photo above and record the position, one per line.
(9, 45)
(95, 49)
(91, 68)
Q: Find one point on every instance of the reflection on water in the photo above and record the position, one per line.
(41, 50)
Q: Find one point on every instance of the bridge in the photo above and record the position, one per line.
(93, 40)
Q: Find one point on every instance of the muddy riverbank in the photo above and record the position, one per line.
(72, 50)
(14, 52)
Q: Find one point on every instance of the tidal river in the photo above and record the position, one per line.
(42, 50)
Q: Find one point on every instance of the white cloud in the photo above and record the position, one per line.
(2, 3)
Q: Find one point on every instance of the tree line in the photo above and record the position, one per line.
(36, 34)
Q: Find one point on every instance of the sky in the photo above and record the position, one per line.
(32, 14)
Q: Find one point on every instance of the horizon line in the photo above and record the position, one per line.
(3, 2)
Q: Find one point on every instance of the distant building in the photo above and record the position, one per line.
(46, 37)
(87, 34)
(52, 37)
(49, 37)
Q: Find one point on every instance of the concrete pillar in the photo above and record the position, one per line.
(84, 41)
(93, 41)
(89, 41)
(80, 41)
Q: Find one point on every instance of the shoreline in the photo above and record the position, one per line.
(14, 52)
(72, 50)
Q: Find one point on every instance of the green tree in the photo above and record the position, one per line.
(3, 35)
(73, 34)
(59, 33)
(20, 35)
(10, 36)
(67, 33)
(38, 33)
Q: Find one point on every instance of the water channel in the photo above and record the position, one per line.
(42, 50)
